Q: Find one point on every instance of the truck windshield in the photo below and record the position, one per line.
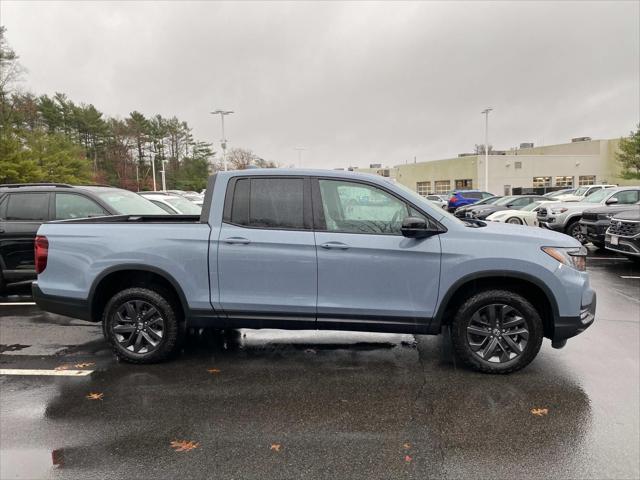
(420, 200)
(184, 206)
(598, 196)
(128, 203)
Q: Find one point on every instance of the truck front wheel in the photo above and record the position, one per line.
(141, 325)
(497, 331)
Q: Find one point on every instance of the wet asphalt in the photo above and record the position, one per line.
(272, 404)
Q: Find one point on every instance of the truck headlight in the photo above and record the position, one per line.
(559, 210)
(574, 257)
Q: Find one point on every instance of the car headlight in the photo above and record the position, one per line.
(574, 257)
(557, 210)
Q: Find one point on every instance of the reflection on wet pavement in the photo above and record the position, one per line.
(336, 405)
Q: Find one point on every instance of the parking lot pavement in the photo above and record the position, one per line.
(273, 404)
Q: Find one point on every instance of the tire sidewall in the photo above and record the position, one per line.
(171, 325)
(482, 299)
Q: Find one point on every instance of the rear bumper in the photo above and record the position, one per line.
(69, 307)
(567, 327)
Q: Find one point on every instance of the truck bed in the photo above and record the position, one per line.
(138, 219)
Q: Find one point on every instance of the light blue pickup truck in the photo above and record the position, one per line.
(306, 249)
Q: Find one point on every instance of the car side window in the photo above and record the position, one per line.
(521, 202)
(627, 196)
(352, 207)
(71, 205)
(275, 203)
(28, 206)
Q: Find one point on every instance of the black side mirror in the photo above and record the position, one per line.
(415, 227)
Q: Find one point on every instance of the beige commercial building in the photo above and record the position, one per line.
(581, 162)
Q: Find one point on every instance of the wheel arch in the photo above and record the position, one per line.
(528, 286)
(119, 277)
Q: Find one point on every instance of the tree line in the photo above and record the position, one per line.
(53, 139)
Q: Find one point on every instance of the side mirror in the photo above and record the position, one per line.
(611, 201)
(415, 227)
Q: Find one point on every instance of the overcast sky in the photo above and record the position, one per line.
(354, 83)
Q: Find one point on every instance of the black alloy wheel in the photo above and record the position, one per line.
(142, 325)
(497, 331)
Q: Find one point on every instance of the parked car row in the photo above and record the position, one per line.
(24, 207)
(588, 214)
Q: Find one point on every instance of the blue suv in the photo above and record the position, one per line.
(461, 198)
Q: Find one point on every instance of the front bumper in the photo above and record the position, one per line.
(550, 223)
(567, 327)
(625, 245)
(594, 231)
(69, 307)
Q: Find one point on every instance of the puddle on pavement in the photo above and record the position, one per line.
(12, 348)
(29, 463)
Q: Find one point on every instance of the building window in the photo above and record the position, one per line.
(423, 188)
(518, 165)
(541, 182)
(464, 184)
(586, 180)
(564, 181)
(442, 186)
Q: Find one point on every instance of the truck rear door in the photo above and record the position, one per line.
(267, 269)
(21, 214)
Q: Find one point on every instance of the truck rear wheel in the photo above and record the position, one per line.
(141, 325)
(497, 331)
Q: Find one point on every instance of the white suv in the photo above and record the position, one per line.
(581, 193)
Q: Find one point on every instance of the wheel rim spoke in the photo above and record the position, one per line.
(497, 333)
(138, 326)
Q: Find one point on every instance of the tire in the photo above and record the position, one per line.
(573, 230)
(519, 315)
(514, 221)
(131, 337)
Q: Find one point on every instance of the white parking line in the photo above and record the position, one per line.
(618, 259)
(629, 276)
(52, 373)
(13, 304)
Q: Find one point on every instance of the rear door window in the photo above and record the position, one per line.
(27, 206)
(71, 205)
(273, 203)
(476, 195)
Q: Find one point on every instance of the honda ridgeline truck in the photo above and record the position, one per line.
(303, 249)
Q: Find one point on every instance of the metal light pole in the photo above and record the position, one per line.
(223, 140)
(164, 183)
(299, 150)
(485, 112)
(153, 170)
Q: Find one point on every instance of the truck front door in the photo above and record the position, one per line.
(267, 268)
(369, 275)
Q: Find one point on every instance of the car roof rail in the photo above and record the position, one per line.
(41, 184)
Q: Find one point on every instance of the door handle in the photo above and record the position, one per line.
(237, 241)
(335, 246)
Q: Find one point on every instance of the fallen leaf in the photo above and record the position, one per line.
(407, 458)
(539, 412)
(406, 446)
(63, 367)
(214, 371)
(275, 447)
(184, 445)
(84, 365)
(95, 396)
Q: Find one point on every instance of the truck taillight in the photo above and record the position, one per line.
(42, 252)
(453, 199)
